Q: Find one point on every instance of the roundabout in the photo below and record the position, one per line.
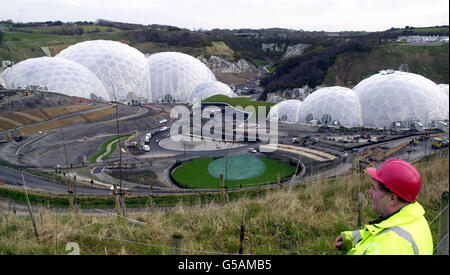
(237, 167)
(238, 171)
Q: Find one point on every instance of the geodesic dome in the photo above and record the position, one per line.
(286, 111)
(207, 89)
(331, 104)
(56, 75)
(122, 69)
(444, 89)
(175, 75)
(399, 96)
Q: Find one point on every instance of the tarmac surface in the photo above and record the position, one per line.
(44, 151)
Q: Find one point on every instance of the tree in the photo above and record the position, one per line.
(1, 36)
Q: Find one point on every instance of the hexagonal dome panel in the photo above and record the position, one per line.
(399, 96)
(210, 88)
(288, 111)
(444, 88)
(332, 104)
(58, 75)
(176, 75)
(121, 68)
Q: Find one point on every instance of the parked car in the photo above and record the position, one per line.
(252, 150)
(146, 148)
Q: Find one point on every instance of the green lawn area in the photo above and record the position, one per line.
(240, 101)
(194, 174)
(105, 145)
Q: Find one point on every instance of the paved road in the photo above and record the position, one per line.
(14, 177)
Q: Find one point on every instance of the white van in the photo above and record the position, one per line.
(146, 148)
(147, 139)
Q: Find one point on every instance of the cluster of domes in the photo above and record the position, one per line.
(286, 111)
(122, 69)
(176, 74)
(56, 74)
(376, 102)
(111, 70)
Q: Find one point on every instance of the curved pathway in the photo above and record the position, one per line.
(108, 149)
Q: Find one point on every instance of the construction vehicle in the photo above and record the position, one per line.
(438, 143)
(423, 137)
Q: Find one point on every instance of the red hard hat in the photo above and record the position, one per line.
(400, 177)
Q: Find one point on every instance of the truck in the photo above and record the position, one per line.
(438, 143)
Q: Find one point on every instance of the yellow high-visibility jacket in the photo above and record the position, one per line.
(404, 233)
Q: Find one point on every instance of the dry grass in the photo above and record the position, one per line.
(12, 120)
(68, 121)
(304, 221)
(54, 112)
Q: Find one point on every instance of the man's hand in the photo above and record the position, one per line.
(338, 243)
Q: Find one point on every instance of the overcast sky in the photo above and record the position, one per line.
(308, 15)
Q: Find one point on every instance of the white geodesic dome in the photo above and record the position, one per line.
(331, 104)
(399, 96)
(122, 69)
(56, 75)
(444, 89)
(175, 75)
(286, 111)
(207, 89)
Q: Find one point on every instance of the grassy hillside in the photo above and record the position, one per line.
(26, 43)
(305, 221)
(429, 61)
(217, 48)
(22, 43)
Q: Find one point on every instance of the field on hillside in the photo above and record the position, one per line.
(18, 46)
(218, 48)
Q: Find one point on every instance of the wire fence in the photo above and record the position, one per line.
(442, 248)
(172, 248)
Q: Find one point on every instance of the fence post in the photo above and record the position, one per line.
(122, 201)
(360, 206)
(116, 195)
(177, 244)
(443, 226)
(241, 239)
(279, 180)
(70, 194)
(222, 190)
(29, 209)
(151, 198)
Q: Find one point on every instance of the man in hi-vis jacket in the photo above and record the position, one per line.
(402, 228)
